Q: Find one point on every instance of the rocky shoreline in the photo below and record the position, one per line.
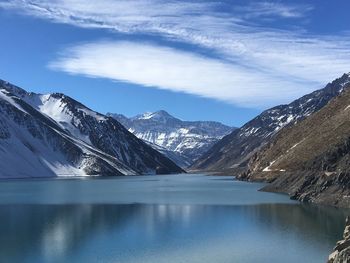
(341, 252)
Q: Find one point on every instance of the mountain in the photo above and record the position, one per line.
(185, 141)
(311, 159)
(49, 135)
(234, 150)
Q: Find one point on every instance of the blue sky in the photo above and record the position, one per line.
(199, 60)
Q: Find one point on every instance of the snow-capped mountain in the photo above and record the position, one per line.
(311, 159)
(182, 141)
(235, 149)
(49, 135)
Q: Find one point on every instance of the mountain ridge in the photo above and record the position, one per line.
(232, 153)
(28, 117)
(186, 139)
(311, 159)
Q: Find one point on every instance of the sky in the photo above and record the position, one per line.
(199, 60)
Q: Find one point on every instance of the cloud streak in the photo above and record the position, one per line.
(167, 68)
(254, 60)
(274, 9)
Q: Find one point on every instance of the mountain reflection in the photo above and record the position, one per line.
(56, 233)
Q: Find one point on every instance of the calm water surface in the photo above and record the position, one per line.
(156, 219)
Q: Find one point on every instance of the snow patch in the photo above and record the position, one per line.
(146, 116)
(5, 95)
(56, 109)
(267, 169)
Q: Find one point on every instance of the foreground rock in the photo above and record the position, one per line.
(341, 252)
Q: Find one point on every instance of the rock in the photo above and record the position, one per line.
(341, 252)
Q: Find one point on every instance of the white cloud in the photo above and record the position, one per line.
(166, 68)
(263, 65)
(274, 9)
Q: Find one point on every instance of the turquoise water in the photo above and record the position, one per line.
(173, 218)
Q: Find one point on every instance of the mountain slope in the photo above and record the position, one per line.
(186, 140)
(50, 135)
(310, 160)
(174, 156)
(235, 149)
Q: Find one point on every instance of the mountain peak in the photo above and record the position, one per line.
(184, 141)
(68, 138)
(160, 115)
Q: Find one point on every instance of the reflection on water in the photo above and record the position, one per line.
(177, 218)
(167, 233)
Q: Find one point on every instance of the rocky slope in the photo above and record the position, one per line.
(341, 253)
(311, 159)
(181, 141)
(235, 149)
(49, 135)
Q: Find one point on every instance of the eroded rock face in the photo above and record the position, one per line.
(341, 252)
(310, 160)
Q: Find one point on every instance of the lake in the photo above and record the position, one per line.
(156, 219)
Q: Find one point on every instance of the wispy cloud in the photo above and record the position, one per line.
(262, 65)
(167, 68)
(274, 9)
